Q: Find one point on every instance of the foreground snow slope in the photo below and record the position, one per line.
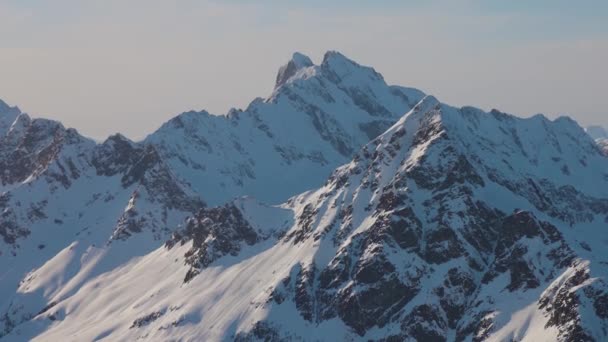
(454, 225)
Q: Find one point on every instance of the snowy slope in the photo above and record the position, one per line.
(454, 224)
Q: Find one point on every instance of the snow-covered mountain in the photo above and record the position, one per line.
(600, 135)
(445, 224)
(63, 192)
(317, 117)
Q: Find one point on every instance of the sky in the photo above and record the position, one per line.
(127, 66)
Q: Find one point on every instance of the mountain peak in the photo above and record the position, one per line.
(337, 62)
(427, 103)
(8, 115)
(5, 108)
(297, 62)
(340, 67)
(335, 56)
(118, 138)
(422, 108)
(301, 60)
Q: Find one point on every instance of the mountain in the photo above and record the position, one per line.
(454, 224)
(600, 135)
(317, 117)
(63, 195)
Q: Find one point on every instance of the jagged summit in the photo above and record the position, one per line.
(8, 115)
(297, 62)
(340, 66)
(301, 60)
(427, 103)
(558, 149)
(4, 106)
(335, 67)
(330, 57)
(118, 138)
(315, 119)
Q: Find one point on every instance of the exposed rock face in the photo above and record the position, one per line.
(603, 145)
(214, 233)
(298, 62)
(421, 242)
(30, 147)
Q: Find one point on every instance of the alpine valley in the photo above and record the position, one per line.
(339, 208)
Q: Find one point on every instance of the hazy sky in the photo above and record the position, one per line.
(129, 65)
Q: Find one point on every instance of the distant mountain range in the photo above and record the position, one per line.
(337, 208)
